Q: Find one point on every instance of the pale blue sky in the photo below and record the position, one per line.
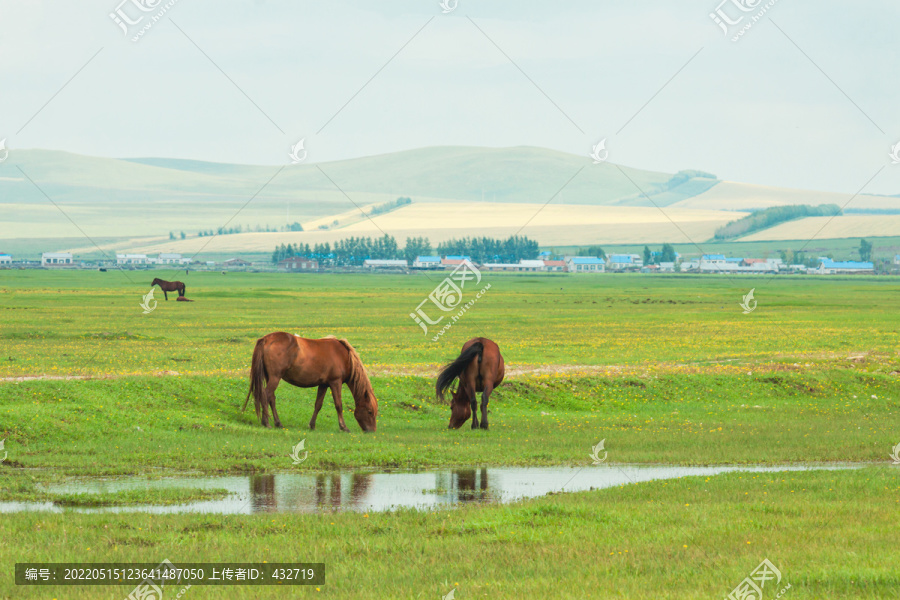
(756, 111)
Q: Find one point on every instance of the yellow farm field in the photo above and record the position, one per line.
(552, 224)
(828, 227)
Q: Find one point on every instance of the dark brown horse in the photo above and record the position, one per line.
(169, 286)
(479, 368)
(326, 363)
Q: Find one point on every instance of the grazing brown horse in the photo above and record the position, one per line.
(479, 368)
(169, 286)
(326, 363)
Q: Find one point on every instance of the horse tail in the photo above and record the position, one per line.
(183, 289)
(258, 377)
(455, 369)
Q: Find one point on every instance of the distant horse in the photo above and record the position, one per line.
(169, 286)
(325, 363)
(479, 368)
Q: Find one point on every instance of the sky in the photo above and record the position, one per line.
(806, 98)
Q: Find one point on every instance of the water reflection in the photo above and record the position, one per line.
(366, 491)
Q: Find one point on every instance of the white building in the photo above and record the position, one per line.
(170, 259)
(830, 267)
(427, 262)
(585, 264)
(5, 259)
(624, 262)
(132, 259)
(667, 267)
(522, 265)
(380, 263)
(52, 259)
(715, 263)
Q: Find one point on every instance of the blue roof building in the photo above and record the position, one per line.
(585, 264)
(828, 266)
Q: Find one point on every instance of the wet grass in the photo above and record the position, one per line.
(157, 497)
(831, 534)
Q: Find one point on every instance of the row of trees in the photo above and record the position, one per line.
(763, 219)
(485, 249)
(353, 250)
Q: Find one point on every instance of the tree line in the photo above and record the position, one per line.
(763, 219)
(355, 250)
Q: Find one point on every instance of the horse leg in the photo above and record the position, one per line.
(320, 397)
(485, 397)
(269, 400)
(272, 404)
(165, 294)
(338, 406)
(469, 391)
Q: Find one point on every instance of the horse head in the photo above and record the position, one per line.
(460, 410)
(366, 410)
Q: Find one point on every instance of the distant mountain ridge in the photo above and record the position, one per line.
(155, 196)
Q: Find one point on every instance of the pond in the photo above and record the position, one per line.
(369, 491)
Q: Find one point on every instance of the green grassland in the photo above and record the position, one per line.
(91, 323)
(668, 370)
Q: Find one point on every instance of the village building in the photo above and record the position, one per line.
(56, 259)
(830, 267)
(132, 259)
(624, 262)
(5, 259)
(298, 263)
(667, 267)
(554, 265)
(385, 263)
(521, 266)
(171, 259)
(451, 262)
(236, 262)
(585, 264)
(427, 262)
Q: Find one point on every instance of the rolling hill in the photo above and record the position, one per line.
(147, 198)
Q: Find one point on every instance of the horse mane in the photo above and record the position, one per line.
(358, 382)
